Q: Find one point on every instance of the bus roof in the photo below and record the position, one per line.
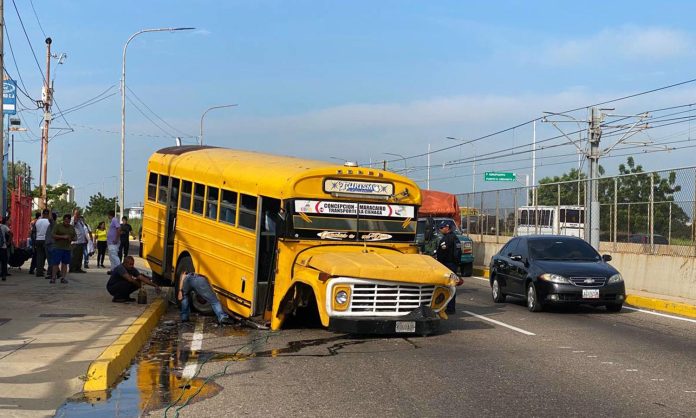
(267, 174)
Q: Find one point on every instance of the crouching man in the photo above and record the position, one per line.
(126, 279)
(198, 283)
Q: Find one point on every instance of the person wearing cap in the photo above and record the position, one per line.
(448, 252)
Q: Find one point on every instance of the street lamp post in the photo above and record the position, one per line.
(473, 165)
(200, 138)
(123, 106)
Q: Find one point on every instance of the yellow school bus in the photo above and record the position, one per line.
(280, 236)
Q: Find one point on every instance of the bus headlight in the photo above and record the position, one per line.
(617, 278)
(341, 298)
(440, 296)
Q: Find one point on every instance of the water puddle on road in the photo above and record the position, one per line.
(152, 383)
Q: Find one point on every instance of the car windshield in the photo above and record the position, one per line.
(562, 249)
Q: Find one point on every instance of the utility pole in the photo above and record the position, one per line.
(46, 96)
(594, 133)
(2, 96)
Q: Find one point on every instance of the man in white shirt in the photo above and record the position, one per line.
(40, 245)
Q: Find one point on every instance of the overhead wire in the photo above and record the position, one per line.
(158, 116)
(542, 117)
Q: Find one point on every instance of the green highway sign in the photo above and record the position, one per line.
(498, 176)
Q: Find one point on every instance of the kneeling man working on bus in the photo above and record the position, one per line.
(198, 283)
(126, 279)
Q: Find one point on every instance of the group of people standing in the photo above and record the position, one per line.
(67, 246)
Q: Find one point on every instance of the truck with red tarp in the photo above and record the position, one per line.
(437, 207)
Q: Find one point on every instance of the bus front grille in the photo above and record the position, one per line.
(385, 299)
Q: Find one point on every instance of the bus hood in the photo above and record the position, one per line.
(398, 267)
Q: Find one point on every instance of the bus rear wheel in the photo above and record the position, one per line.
(198, 303)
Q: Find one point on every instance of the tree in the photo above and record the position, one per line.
(548, 195)
(62, 207)
(21, 169)
(100, 205)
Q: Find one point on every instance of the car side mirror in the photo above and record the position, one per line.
(606, 257)
(516, 257)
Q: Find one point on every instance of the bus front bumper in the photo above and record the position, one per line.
(421, 321)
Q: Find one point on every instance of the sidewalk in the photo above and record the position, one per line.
(50, 334)
(641, 299)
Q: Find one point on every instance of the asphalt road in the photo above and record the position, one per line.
(567, 362)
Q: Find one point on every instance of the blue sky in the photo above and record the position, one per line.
(347, 80)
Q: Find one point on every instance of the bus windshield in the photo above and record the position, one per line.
(352, 221)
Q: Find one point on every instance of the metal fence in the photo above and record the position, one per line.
(639, 212)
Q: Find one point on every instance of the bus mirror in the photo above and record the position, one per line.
(516, 257)
(606, 257)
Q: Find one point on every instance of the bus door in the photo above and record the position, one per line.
(269, 226)
(172, 203)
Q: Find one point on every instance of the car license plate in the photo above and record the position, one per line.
(590, 293)
(405, 326)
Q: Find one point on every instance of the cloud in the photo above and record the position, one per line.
(626, 42)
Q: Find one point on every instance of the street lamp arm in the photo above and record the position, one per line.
(200, 138)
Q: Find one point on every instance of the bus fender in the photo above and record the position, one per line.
(295, 297)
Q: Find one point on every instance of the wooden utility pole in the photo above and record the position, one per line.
(46, 96)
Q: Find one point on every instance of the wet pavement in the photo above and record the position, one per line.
(153, 382)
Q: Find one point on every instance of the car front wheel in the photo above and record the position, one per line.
(498, 296)
(533, 302)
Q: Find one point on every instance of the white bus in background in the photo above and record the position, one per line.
(548, 220)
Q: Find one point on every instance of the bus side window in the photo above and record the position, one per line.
(152, 187)
(228, 207)
(163, 185)
(186, 190)
(212, 203)
(198, 198)
(247, 212)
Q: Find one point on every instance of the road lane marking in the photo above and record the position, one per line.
(483, 279)
(502, 324)
(196, 344)
(661, 314)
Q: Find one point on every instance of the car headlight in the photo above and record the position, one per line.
(554, 278)
(617, 278)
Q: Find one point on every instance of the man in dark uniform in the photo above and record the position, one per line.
(449, 251)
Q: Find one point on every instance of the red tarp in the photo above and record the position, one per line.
(439, 204)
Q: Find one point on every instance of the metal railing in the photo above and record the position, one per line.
(649, 212)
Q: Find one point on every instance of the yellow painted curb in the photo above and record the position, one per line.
(104, 371)
(676, 308)
(482, 271)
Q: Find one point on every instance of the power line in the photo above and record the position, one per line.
(158, 116)
(541, 117)
(37, 18)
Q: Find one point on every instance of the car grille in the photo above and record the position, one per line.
(588, 281)
(383, 299)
